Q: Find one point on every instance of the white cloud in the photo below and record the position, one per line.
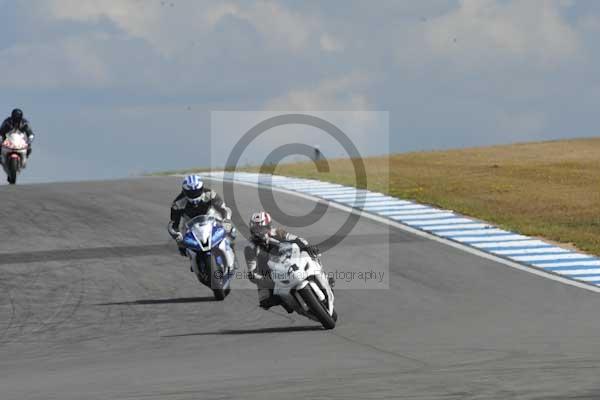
(343, 93)
(330, 43)
(169, 26)
(221, 10)
(134, 17)
(518, 68)
(480, 31)
(590, 23)
(278, 24)
(69, 62)
(160, 25)
(341, 101)
(167, 46)
(566, 3)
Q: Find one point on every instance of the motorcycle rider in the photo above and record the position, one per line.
(196, 199)
(257, 255)
(17, 121)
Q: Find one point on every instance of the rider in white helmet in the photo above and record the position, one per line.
(257, 255)
(195, 199)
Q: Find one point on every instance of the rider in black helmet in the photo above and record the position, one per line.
(17, 121)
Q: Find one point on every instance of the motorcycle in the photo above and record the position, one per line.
(301, 284)
(212, 258)
(14, 154)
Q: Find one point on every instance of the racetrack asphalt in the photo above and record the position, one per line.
(96, 303)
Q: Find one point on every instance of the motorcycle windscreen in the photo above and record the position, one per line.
(15, 141)
(286, 251)
(203, 234)
(218, 234)
(284, 257)
(190, 242)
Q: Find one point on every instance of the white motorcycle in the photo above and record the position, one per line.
(14, 154)
(301, 284)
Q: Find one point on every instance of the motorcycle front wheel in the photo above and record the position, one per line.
(219, 294)
(13, 167)
(217, 284)
(214, 279)
(317, 308)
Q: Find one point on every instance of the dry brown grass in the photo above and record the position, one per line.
(548, 189)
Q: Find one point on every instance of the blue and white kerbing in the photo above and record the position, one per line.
(446, 224)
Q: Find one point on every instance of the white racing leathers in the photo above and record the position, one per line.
(257, 257)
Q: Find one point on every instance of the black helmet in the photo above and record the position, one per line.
(16, 116)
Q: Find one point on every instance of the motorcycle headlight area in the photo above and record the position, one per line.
(10, 145)
(298, 272)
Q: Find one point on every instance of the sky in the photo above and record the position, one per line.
(116, 88)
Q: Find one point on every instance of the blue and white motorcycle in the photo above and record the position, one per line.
(212, 257)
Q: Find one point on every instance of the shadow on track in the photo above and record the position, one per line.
(99, 253)
(167, 249)
(282, 329)
(160, 301)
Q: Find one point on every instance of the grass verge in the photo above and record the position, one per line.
(546, 189)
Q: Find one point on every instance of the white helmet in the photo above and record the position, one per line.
(260, 224)
(192, 188)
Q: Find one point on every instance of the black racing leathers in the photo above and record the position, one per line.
(24, 126)
(182, 210)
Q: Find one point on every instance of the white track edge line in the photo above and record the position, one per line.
(530, 269)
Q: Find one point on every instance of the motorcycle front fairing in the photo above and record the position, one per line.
(204, 235)
(292, 270)
(15, 145)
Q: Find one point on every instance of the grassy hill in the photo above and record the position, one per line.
(547, 189)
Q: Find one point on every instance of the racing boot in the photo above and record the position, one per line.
(270, 302)
(266, 299)
(287, 308)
